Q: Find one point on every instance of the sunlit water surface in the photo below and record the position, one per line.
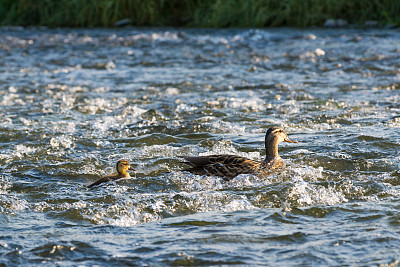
(73, 102)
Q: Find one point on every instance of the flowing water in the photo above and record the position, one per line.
(73, 102)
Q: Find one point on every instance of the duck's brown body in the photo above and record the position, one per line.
(122, 167)
(225, 166)
(229, 166)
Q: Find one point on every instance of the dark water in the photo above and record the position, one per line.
(73, 102)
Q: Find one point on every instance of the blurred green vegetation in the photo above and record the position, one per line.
(196, 13)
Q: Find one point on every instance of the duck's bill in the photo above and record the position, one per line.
(131, 169)
(290, 140)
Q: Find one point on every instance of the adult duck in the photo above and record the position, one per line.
(229, 166)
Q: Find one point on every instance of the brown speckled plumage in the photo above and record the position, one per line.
(229, 166)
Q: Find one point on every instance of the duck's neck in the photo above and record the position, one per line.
(271, 150)
(124, 174)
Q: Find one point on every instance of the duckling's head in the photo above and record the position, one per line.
(276, 135)
(123, 166)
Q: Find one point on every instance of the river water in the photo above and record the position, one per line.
(74, 101)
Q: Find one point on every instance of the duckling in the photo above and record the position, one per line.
(122, 167)
(229, 166)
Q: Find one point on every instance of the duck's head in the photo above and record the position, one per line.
(276, 135)
(123, 166)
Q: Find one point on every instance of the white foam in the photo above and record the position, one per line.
(96, 105)
(312, 55)
(62, 141)
(11, 99)
(172, 91)
(110, 65)
(21, 150)
(341, 155)
(238, 204)
(12, 89)
(221, 147)
(11, 203)
(306, 194)
(157, 151)
(185, 107)
(25, 121)
(308, 173)
(5, 184)
(193, 183)
(102, 125)
(220, 126)
(125, 213)
(76, 205)
(211, 201)
(40, 206)
(250, 103)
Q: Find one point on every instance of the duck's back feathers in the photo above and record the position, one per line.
(105, 179)
(225, 166)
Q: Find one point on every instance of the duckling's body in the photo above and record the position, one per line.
(122, 167)
(229, 166)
